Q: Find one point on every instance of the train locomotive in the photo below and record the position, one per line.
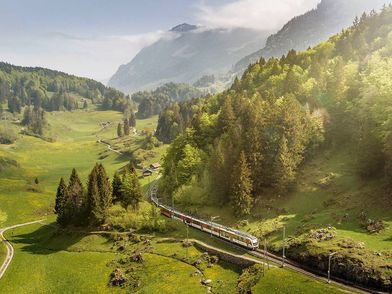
(220, 231)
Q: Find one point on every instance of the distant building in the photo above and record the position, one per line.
(155, 166)
(147, 173)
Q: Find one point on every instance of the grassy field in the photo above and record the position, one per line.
(77, 262)
(68, 264)
(329, 193)
(291, 283)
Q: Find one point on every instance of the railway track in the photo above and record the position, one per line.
(292, 265)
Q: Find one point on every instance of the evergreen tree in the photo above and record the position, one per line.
(76, 200)
(226, 117)
(61, 195)
(85, 105)
(241, 188)
(99, 195)
(119, 130)
(27, 116)
(284, 170)
(132, 120)
(116, 188)
(126, 127)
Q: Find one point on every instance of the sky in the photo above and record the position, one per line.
(92, 38)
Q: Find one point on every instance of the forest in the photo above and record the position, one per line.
(281, 112)
(53, 90)
(153, 102)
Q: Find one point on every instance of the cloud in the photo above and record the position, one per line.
(255, 14)
(95, 57)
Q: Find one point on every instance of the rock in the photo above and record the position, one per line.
(206, 282)
(137, 257)
(117, 278)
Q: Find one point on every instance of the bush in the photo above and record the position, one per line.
(249, 278)
(7, 135)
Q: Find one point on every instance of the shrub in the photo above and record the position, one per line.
(7, 135)
(249, 278)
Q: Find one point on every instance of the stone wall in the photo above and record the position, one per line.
(238, 260)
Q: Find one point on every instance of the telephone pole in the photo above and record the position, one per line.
(187, 241)
(329, 266)
(284, 246)
(265, 253)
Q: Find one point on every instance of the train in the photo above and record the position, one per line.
(220, 231)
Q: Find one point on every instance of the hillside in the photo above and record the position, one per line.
(330, 101)
(306, 30)
(186, 54)
(53, 90)
(152, 102)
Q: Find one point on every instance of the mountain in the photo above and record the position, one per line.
(306, 30)
(185, 54)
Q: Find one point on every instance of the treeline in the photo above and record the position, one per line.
(253, 137)
(153, 102)
(53, 90)
(80, 206)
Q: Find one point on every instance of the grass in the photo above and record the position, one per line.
(21, 201)
(55, 267)
(291, 283)
(76, 262)
(328, 193)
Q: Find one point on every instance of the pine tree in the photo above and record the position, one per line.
(60, 196)
(241, 188)
(284, 167)
(218, 183)
(76, 200)
(132, 120)
(116, 188)
(99, 195)
(126, 127)
(119, 130)
(226, 117)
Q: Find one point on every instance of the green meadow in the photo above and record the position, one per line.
(46, 261)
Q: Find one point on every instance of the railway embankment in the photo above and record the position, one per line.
(241, 261)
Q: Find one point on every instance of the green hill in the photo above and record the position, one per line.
(53, 90)
(254, 145)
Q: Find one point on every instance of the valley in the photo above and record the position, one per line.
(70, 254)
(250, 153)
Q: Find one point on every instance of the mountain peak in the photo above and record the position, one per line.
(184, 27)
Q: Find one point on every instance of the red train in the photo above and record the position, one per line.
(226, 233)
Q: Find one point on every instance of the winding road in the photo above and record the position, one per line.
(8, 245)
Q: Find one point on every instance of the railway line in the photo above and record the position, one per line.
(264, 254)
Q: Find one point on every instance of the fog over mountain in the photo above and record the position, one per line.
(329, 18)
(185, 54)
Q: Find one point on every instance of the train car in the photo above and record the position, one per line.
(226, 233)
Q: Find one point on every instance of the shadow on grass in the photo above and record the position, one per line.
(47, 239)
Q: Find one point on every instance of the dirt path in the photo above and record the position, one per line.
(8, 245)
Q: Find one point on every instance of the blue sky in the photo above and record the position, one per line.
(93, 37)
